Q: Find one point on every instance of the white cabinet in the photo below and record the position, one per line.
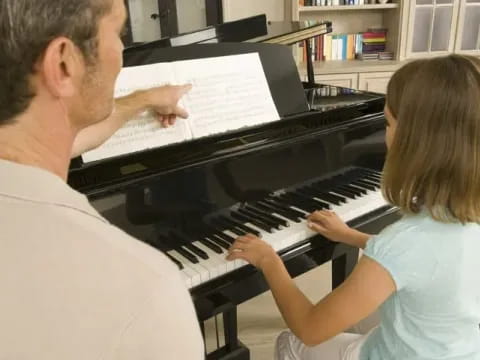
(468, 30)
(440, 27)
(343, 80)
(374, 81)
(432, 27)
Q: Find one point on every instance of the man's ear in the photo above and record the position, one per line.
(61, 66)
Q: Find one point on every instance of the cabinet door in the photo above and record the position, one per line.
(374, 82)
(344, 80)
(431, 28)
(468, 32)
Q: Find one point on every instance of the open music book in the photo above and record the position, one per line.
(228, 93)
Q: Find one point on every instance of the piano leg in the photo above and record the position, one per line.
(343, 265)
(233, 348)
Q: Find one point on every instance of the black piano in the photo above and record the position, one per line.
(190, 200)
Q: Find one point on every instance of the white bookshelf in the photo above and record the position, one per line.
(416, 28)
(315, 9)
(354, 19)
(352, 66)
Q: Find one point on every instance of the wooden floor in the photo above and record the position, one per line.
(259, 320)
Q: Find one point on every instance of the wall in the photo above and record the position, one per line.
(237, 9)
(191, 16)
(144, 28)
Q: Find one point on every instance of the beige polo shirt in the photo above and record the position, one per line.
(74, 287)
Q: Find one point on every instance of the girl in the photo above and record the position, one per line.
(421, 272)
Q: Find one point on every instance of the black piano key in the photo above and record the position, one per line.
(252, 216)
(305, 204)
(242, 226)
(226, 237)
(333, 198)
(187, 254)
(290, 213)
(320, 203)
(378, 185)
(227, 226)
(317, 204)
(372, 174)
(289, 202)
(268, 214)
(277, 201)
(258, 217)
(265, 216)
(218, 231)
(365, 184)
(175, 261)
(372, 180)
(211, 245)
(285, 213)
(255, 222)
(355, 189)
(346, 192)
(323, 192)
(318, 195)
(187, 243)
(358, 184)
(197, 251)
(219, 241)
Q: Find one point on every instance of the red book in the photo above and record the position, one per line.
(370, 35)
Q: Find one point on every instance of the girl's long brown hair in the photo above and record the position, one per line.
(434, 160)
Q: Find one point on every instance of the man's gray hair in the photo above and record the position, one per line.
(26, 29)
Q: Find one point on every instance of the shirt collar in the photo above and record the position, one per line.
(41, 186)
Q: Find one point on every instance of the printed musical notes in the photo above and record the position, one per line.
(228, 93)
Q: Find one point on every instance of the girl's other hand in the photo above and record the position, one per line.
(329, 224)
(253, 250)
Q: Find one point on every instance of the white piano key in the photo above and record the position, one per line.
(293, 234)
(192, 275)
(214, 264)
(198, 273)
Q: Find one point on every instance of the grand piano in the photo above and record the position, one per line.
(190, 200)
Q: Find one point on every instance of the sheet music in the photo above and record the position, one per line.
(144, 132)
(228, 93)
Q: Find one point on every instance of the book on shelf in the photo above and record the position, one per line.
(385, 55)
(307, 3)
(369, 45)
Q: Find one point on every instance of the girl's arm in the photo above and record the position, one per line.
(162, 100)
(361, 294)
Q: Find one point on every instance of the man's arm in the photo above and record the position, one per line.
(162, 100)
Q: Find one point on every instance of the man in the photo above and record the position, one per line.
(73, 286)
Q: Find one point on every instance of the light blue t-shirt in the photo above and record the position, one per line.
(435, 312)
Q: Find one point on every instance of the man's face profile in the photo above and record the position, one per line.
(98, 82)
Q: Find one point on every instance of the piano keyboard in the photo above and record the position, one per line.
(279, 219)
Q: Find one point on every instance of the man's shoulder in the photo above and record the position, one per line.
(118, 244)
(79, 229)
